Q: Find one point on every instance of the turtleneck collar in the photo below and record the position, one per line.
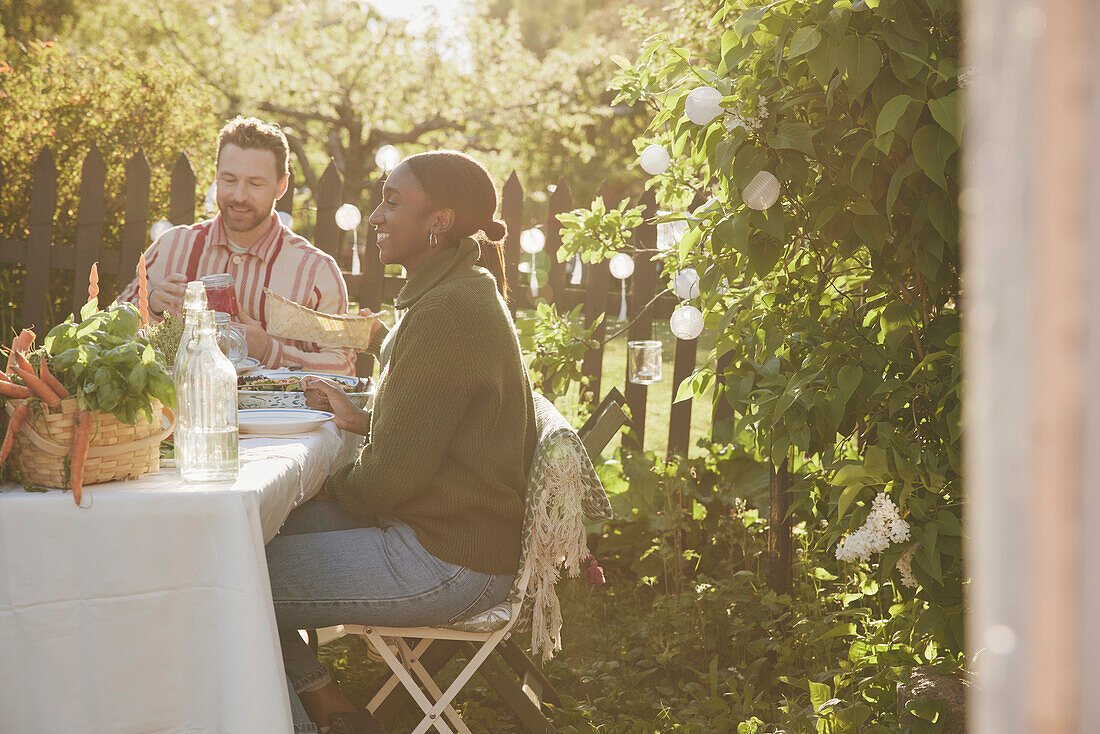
(435, 269)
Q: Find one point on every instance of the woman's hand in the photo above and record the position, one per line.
(322, 394)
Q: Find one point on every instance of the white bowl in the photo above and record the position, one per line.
(250, 399)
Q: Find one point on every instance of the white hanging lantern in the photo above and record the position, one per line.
(211, 203)
(654, 160)
(669, 234)
(622, 267)
(387, 157)
(703, 104)
(686, 284)
(159, 228)
(348, 217)
(686, 323)
(762, 191)
(578, 271)
(532, 240)
(287, 219)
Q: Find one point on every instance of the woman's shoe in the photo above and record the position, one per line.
(359, 722)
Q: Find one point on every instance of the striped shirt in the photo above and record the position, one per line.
(280, 260)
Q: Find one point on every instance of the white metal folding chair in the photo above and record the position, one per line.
(402, 648)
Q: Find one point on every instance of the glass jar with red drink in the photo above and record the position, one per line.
(220, 294)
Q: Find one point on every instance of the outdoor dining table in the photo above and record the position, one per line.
(150, 611)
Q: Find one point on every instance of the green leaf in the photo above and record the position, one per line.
(928, 709)
(841, 630)
(733, 232)
(747, 22)
(932, 146)
(847, 497)
(819, 694)
(848, 380)
(891, 112)
(948, 112)
(803, 41)
(904, 171)
(794, 135)
(860, 61)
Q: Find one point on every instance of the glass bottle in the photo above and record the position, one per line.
(194, 301)
(206, 420)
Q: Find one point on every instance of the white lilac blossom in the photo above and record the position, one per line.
(905, 568)
(882, 527)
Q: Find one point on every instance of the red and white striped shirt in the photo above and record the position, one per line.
(280, 260)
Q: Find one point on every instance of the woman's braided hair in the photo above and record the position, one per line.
(455, 181)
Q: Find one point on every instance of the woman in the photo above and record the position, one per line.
(424, 527)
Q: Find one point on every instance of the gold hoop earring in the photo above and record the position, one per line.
(433, 241)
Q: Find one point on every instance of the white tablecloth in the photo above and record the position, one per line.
(151, 610)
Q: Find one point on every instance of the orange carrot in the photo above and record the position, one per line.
(81, 435)
(49, 379)
(19, 345)
(17, 419)
(23, 368)
(11, 390)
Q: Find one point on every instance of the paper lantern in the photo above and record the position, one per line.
(686, 323)
(762, 191)
(621, 265)
(286, 219)
(387, 157)
(686, 284)
(654, 160)
(532, 240)
(348, 217)
(158, 229)
(211, 203)
(703, 104)
(669, 234)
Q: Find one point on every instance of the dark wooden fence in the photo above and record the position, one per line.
(39, 256)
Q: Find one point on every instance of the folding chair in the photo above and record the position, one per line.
(562, 486)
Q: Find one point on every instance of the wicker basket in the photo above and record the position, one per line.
(116, 450)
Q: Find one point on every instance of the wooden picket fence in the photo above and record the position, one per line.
(40, 257)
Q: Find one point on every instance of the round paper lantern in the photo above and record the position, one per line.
(703, 104)
(348, 217)
(286, 218)
(762, 191)
(159, 229)
(621, 265)
(211, 203)
(686, 284)
(387, 157)
(686, 323)
(654, 160)
(532, 240)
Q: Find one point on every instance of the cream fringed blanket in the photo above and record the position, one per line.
(564, 487)
(290, 320)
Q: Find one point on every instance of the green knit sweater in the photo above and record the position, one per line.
(453, 428)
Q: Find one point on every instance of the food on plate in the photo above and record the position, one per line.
(271, 383)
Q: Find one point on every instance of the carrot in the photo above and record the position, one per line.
(11, 390)
(81, 436)
(19, 345)
(17, 419)
(23, 368)
(49, 379)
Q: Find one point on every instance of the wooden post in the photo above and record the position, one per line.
(36, 286)
(511, 211)
(181, 207)
(679, 419)
(135, 232)
(780, 546)
(373, 282)
(89, 225)
(641, 292)
(560, 201)
(330, 188)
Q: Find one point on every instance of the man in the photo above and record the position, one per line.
(248, 241)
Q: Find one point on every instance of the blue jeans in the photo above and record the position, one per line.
(329, 566)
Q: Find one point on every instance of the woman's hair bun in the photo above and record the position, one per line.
(495, 230)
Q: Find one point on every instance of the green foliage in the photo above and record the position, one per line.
(107, 364)
(597, 233)
(165, 338)
(555, 346)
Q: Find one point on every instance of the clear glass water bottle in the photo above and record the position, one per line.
(194, 302)
(206, 420)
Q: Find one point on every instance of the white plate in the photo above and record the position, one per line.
(280, 421)
(247, 365)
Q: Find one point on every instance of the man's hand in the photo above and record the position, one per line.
(167, 295)
(254, 335)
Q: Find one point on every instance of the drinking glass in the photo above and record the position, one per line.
(231, 338)
(643, 360)
(220, 294)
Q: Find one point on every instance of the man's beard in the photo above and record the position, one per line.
(251, 221)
